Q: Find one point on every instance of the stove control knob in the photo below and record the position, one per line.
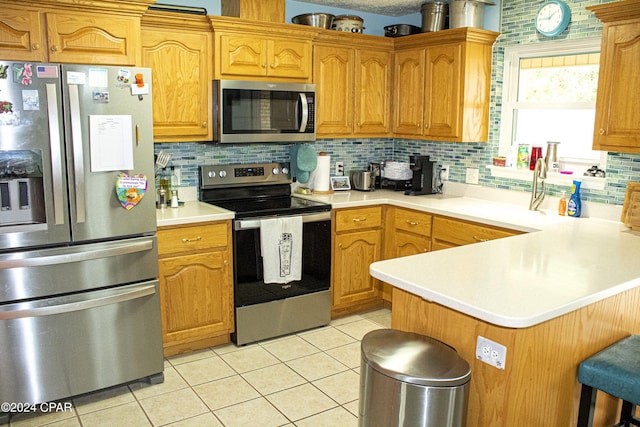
(276, 171)
(285, 171)
(222, 173)
(212, 174)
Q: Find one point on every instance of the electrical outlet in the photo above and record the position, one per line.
(444, 172)
(472, 176)
(491, 352)
(339, 168)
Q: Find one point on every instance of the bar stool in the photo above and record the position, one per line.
(616, 371)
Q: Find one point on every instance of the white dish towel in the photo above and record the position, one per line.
(281, 246)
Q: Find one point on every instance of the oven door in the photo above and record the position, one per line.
(249, 286)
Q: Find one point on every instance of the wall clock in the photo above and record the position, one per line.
(553, 18)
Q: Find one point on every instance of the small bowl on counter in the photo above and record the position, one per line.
(321, 20)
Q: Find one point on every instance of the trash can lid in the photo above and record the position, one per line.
(414, 358)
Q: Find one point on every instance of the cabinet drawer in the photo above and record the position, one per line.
(413, 222)
(191, 238)
(358, 219)
(464, 233)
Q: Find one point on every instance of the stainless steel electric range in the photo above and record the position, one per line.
(258, 193)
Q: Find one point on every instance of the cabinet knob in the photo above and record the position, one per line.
(479, 239)
(412, 222)
(426, 125)
(602, 131)
(35, 46)
(339, 245)
(197, 239)
(204, 125)
(54, 48)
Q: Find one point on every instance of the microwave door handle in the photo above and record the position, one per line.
(55, 146)
(305, 112)
(78, 155)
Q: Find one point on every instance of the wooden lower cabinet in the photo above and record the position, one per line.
(408, 232)
(357, 242)
(196, 286)
(449, 233)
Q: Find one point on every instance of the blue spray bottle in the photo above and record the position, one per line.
(574, 208)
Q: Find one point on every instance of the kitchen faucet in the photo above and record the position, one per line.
(539, 174)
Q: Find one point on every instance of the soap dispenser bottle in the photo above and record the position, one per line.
(562, 204)
(574, 208)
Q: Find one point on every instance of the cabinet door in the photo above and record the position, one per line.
(410, 244)
(409, 91)
(93, 38)
(195, 297)
(372, 88)
(242, 56)
(617, 125)
(21, 36)
(333, 76)
(289, 58)
(181, 83)
(443, 83)
(354, 252)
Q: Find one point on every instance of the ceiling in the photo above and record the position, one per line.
(379, 7)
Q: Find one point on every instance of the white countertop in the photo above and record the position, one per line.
(560, 265)
(191, 212)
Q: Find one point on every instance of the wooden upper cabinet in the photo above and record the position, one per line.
(353, 85)
(333, 76)
(617, 124)
(88, 32)
(178, 51)
(93, 38)
(21, 36)
(409, 92)
(442, 85)
(261, 50)
(286, 58)
(373, 86)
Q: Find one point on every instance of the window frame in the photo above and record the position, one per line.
(512, 56)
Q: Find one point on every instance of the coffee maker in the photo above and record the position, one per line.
(422, 181)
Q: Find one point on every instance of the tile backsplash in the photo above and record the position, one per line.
(517, 27)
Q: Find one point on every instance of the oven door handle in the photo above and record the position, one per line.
(253, 223)
(78, 302)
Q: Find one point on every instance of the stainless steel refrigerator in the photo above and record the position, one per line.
(79, 299)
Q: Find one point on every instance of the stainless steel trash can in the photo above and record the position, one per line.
(408, 379)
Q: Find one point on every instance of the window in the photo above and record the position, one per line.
(549, 94)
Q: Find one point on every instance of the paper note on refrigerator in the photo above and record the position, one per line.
(110, 143)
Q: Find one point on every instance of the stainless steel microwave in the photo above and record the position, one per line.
(252, 111)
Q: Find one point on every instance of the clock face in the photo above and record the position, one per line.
(552, 18)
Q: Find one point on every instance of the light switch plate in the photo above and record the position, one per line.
(491, 352)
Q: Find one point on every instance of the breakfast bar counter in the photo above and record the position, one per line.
(553, 296)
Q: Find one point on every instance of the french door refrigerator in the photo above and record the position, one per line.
(79, 299)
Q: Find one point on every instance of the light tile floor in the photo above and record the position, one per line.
(306, 379)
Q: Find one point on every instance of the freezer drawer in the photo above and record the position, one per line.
(55, 271)
(60, 347)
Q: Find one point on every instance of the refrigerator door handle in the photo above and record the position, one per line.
(40, 261)
(63, 305)
(56, 156)
(78, 155)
